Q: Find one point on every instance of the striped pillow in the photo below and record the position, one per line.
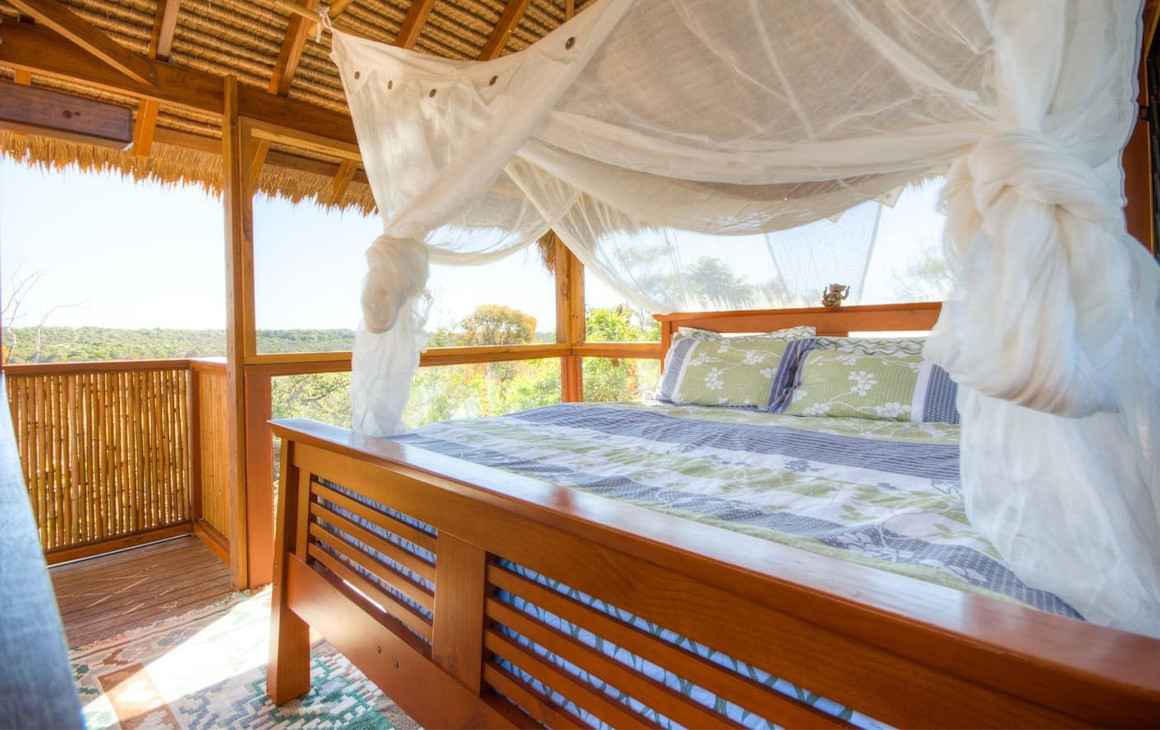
(749, 371)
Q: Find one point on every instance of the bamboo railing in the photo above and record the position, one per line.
(108, 453)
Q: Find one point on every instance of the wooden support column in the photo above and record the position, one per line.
(1137, 158)
(570, 322)
(259, 480)
(238, 200)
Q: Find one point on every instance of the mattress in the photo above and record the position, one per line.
(880, 493)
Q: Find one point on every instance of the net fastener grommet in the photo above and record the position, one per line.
(569, 43)
(432, 94)
(493, 80)
(390, 84)
(357, 74)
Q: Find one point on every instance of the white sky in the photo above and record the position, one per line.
(140, 255)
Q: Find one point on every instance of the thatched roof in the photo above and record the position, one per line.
(244, 38)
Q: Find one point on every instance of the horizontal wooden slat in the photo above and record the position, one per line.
(632, 350)
(785, 711)
(529, 699)
(395, 579)
(834, 322)
(586, 696)
(647, 691)
(101, 366)
(87, 550)
(407, 559)
(388, 522)
(413, 619)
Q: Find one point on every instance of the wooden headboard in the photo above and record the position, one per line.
(836, 322)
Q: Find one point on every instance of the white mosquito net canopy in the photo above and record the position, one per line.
(641, 122)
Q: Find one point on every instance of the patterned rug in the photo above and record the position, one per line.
(207, 669)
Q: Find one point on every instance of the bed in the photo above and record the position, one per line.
(617, 565)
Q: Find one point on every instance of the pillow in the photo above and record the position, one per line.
(889, 346)
(901, 387)
(711, 369)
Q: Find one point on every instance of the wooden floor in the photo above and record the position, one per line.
(103, 596)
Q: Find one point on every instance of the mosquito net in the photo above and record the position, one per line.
(640, 125)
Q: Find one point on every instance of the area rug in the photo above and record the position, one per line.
(207, 669)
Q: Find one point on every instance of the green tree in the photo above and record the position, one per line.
(927, 280)
(495, 324)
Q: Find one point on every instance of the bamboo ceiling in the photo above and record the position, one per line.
(252, 39)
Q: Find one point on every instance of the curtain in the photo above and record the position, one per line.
(641, 124)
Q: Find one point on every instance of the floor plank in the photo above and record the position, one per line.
(104, 596)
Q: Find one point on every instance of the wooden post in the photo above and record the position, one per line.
(239, 252)
(1137, 157)
(288, 670)
(193, 411)
(259, 481)
(570, 323)
(457, 644)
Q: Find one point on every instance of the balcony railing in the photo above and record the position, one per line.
(120, 453)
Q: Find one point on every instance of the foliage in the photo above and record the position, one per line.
(927, 280)
(437, 393)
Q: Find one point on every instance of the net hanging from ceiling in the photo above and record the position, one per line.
(640, 124)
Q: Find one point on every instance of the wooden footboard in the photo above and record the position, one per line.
(446, 641)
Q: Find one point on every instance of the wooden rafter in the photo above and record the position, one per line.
(513, 12)
(413, 24)
(346, 170)
(23, 77)
(291, 53)
(41, 51)
(164, 26)
(569, 9)
(338, 7)
(160, 45)
(75, 28)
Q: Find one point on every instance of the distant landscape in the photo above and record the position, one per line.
(436, 394)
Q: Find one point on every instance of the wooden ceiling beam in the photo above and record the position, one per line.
(413, 23)
(338, 7)
(39, 50)
(287, 160)
(144, 126)
(59, 18)
(512, 14)
(569, 9)
(63, 116)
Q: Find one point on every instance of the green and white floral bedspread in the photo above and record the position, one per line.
(881, 493)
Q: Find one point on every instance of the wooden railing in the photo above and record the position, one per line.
(108, 453)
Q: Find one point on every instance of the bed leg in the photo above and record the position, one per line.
(288, 669)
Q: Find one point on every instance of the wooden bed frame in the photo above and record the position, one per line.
(899, 650)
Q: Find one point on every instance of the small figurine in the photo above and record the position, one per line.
(835, 295)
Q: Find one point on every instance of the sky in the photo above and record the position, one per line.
(112, 252)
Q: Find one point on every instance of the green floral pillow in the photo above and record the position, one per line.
(851, 385)
(710, 369)
(729, 373)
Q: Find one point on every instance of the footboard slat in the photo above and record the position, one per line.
(402, 529)
(646, 690)
(534, 703)
(790, 713)
(409, 587)
(414, 620)
(410, 561)
(591, 699)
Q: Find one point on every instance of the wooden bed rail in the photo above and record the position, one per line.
(440, 643)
